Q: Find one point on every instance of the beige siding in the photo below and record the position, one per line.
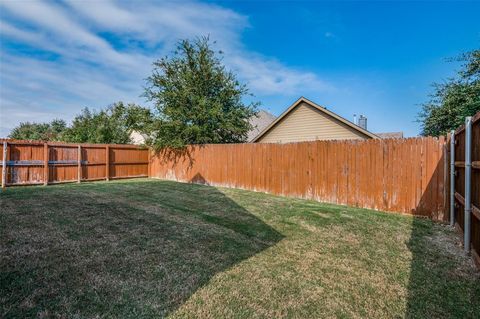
(305, 123)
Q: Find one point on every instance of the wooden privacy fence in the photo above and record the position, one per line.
(400, 175)
(34, 162)
(465, 186)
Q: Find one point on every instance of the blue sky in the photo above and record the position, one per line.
(373, 58)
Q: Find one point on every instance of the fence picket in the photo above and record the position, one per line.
(34, 162)
(402, 175)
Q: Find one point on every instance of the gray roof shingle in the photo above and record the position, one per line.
(259, 123)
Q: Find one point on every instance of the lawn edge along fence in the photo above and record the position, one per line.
(26, 162)
(410, 176)
(397, 175)
(464, 148)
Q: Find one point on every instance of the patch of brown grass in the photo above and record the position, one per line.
(149, 248)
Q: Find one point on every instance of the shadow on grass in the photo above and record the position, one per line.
(118, 250)
(443, 282)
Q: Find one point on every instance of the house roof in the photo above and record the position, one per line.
(319, 108)
(137, 138)
(259, 123)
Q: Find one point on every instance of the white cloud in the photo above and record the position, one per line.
(164, 21)
(104, 50)
(272, 77)
(329, 35)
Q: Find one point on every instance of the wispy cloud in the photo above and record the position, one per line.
(58, 57)
(329, 35)
(270, 77)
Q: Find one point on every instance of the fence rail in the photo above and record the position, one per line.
(411, 176)
(465, 174)
(35, 162)
(399, 175)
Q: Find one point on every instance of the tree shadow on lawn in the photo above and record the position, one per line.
(118, 250)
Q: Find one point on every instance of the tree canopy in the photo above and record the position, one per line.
(52, 131)
(453, 100)
(111, 125)
(197, 101)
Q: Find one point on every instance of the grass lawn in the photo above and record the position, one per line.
(149, 248)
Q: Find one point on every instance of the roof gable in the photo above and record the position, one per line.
(318, 108)
(259, 122)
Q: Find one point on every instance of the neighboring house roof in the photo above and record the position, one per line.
(137, 138)
(326, 113)
(390, 135)
(259, 123)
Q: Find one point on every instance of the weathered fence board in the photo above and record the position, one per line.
(459, 207)
(36, 162)
(401, 175)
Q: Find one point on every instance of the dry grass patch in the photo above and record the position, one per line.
(150, 248)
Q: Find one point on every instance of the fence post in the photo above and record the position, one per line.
(4, 165)
(107, 162)
(79, 164)
(45, 164)
(452, 178)
(468, 175)
(149, 162)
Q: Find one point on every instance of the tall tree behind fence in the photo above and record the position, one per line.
(400, 175)
(32, 162)
(466, 186)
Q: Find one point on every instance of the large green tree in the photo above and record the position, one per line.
(197, 100)
(453, 100)
(52, 131)
(111, 125)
